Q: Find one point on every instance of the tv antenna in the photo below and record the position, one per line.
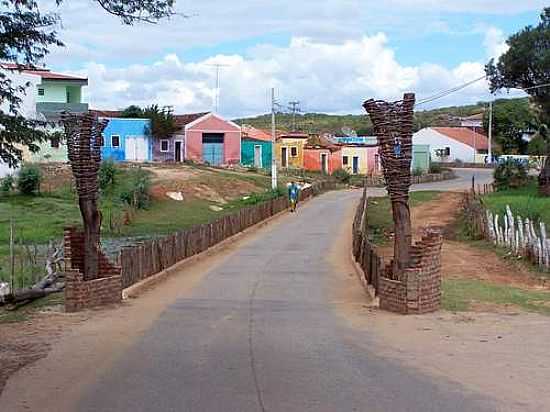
(217, 66)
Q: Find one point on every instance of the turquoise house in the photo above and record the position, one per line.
(256, 153)
(421, 157)
(256, 148)
(127, 140)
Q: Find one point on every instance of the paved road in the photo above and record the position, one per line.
(259, 334)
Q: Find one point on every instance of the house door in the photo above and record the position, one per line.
(258, 156)
(284, 157)
(212, 148)
(355, 165)
(324, 163)
(177, 152)
(136, 149)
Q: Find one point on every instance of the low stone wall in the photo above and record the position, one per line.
(85, 294)
(466, 165)
(418, 288)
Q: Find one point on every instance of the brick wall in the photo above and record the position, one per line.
(83, 294)
(418, 289)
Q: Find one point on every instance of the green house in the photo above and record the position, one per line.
(256, 152)
(421, 157)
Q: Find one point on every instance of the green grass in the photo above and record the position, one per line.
(460, 294)
(379, 214)
(523, 201)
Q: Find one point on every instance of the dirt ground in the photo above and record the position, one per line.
(460, 260)
(503, 354)
(201, 184)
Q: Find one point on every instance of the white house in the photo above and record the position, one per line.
(451, 144)
(27, 107)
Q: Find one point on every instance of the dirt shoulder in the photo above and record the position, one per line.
(503, 354)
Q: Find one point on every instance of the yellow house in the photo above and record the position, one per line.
(289, 150)
(362, 160)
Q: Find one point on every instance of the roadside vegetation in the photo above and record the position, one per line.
(133, 203)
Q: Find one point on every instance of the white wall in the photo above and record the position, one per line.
(459, 151)
(28, 102)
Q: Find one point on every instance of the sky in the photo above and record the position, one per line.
(330, 55)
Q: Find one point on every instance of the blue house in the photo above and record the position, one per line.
(127, 140)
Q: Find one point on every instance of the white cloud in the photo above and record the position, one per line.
(495, 43)
(325, 77)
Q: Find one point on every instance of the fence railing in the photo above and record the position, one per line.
(148, 258)
(364, 252)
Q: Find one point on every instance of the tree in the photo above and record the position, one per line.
(511, 119)
(526, 65)
(163, 124)
(26, 34)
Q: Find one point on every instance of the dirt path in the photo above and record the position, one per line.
(501, 355)
(461, 260)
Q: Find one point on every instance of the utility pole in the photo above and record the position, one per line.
(490, 133)
(217, 66)
(294, 107)
(274, 139)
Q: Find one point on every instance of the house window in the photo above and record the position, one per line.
(345, 160)
(41, 91)
(115, 140)
(293, 151)
(164, 145)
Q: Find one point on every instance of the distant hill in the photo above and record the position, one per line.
(321, 123)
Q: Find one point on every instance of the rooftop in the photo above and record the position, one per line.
(183, 120)
(464, 135)
(256, 134)
(42, 72)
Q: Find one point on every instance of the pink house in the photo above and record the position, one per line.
(203, 138)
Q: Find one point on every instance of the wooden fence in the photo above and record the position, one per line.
(364, 252)
(521, 236)
(145, 259)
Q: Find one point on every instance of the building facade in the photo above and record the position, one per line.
(322, 159)
(127, 140)
(256, 148)
(212, 140)
(289, 150)
(361, 160)
(453, 144)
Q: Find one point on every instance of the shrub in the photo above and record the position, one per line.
(6, 185)
(417, 171)
(28, 179)
(107, 174)
(435, 168)
(341, 175)
(510, 174)
(136, 190)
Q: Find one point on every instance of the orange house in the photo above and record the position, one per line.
(325, 158)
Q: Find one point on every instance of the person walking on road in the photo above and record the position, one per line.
(293, 195)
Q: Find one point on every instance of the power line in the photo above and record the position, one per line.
(535, 87)
(294, 107)
(445, 93)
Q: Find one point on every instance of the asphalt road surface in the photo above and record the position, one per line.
(260, 333)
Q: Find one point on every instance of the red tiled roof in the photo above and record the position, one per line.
(43, 73)
(257, 134)
(465, 135)
(107, 113)
(184, 119)
(294, 135)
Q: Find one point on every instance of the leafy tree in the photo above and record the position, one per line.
(163, 123)
(132, 111)
(511, 119)
(526, 65)
(26, 34)
(29, 179)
